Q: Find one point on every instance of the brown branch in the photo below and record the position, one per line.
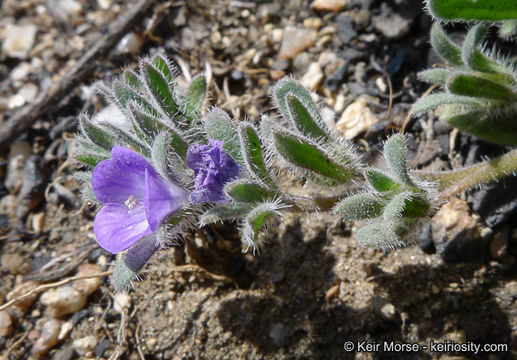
(85, 66)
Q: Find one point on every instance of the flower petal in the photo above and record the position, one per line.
(117, 227)
(161, 199)
(115, 180)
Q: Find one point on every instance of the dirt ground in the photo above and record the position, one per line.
(312, 291)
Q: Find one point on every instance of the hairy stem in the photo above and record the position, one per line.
(454, 182)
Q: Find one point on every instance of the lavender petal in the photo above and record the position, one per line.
(118, 227)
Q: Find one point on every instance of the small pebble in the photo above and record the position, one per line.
(122, 302)
(312, 79)
(278, 334)
(21, 289)
(47, 338)
(328, 5)
(383, 308)
(38, 222)
(6, 324)
(12, 262)
(65, 330)
(88, 286)
(130, 44)
(85, 344)
(294, 41)
(19, 40)
(18, 154)
(62, 301)
(356, 119)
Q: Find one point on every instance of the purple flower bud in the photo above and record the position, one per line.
(212, 169)
(136, 201)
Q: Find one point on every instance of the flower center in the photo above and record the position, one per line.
(131, 202)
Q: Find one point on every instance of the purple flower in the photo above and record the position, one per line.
(136, 201)
(212, 169)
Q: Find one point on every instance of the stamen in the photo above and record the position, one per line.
(131, 202)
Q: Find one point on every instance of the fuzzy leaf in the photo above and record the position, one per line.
(485, 125)
(89, 153)
(166, 69)
(162, 159)
(446, 48)
(436, 76)
(431, 102)
(301, 152)
(230, 211)
(96, 134)
(360, 206)
(128, 138)
(380, 181)
(252, 152)
(160, 88)
(469, 85)
(132, 80)
(133, 261)
(384, 234)
(194, 98)
(406, 204)
(257, 220)
(470, 54)
(245, 190)
(124, 94)
(295, 104)
(219, 126)
(508, 28)
(479, 10)
(395, 155)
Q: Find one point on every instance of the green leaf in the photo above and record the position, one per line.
(229, 211)
(160, 88)
(258, 220)
(303, 153)
(166, 69)
(295, 104)
(479, 10)
(447, 49)
(163, 161)
(218, 125)
(406, 204)
(252, 152)
(390, 234)
(89, 153)
(360, 206)
(123, 94)
(195, 97)
(128, 138)
(436, 76)
(501, 129)
(431, 102)
(472, 57)
(132, 80)
(245, 190)
(508, 29)
(96, 134)
(469, 85)
(380, 181)
(395, 155)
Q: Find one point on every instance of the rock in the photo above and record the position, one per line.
(278, 334)
(391, 25)
(6, 324)
(498, 245)
(361, 19)
(496, 203)
(18, 154)
(312, 79)
(345, 30)
(294, 41)
(65, 10)
(84, 345)
(130, 44)
(313, 23)
(65, 330)
(383, 308)
(88, 286)
(356, 119)
(22, 289)
(302, 61)
(34, 184)
(62, 301)
(20, 72)
(456, 232)
(38, 222)
(328, 5)
(12, 262)
(19, 40)
(47, 338)
(122, 302)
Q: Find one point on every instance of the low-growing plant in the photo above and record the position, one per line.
(169, 164)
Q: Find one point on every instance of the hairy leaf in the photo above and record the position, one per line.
(160, 88)
(194, 99)
(245, 190)
(431, 102)
(436, 76)
(395, 155)
(229, 211)
(380, 181)
(472, 57)
(96, 134)
(479, 10)
(252, 152)
(446, 48)
(360, 206)
(219, 126)
(469, 85)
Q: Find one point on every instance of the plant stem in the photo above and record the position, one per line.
(457, 181)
